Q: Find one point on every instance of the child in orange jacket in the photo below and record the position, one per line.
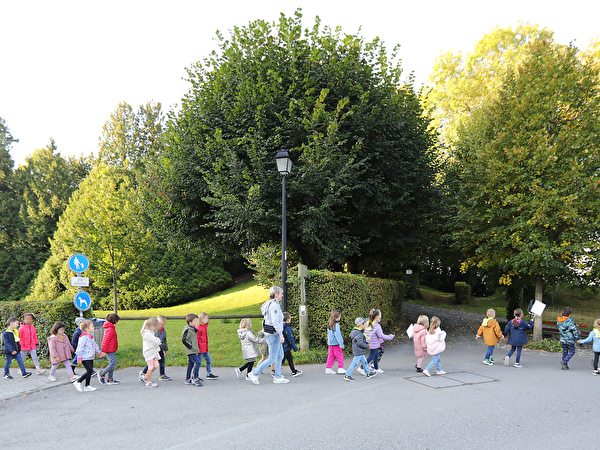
(492, 333)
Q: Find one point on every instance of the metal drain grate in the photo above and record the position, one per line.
(452, 379)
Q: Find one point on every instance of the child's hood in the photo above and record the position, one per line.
(488, 322)
(562, 319)
(242, 332)
(417, 328)
(108, 324)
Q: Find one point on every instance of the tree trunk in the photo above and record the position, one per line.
(114, 277)
(537, 321)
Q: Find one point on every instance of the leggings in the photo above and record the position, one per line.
(247, 367)
(518, 349)
(67, 365)
(33, 354)
(596, 355)
(88, 365)
(290, 360)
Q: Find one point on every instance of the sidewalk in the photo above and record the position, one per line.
(471, 407)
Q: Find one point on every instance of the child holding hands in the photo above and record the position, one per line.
(86, 349)
(436, 344)
(490, 329)
(60, 351)
(517, 331)
(335, 343)
(150, 348)
(419, 342)
(249, 348)
(595, 337)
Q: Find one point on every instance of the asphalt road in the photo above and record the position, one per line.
(537, 406)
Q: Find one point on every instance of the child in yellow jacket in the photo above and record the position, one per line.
(492, 333)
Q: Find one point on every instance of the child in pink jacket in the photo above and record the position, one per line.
(60, 350)
(436, 344)
(419, 334)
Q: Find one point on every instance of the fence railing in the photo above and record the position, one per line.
(579, 316)
(250, 316)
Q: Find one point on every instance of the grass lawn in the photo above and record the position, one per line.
(479, 305)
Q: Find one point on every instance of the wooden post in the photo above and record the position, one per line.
(303, 313)
(537, 321)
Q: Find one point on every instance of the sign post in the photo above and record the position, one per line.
(79, 263)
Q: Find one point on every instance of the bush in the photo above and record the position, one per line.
(353, 295)
(46, 314)
(462, 293)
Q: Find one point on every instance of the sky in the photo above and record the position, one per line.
(66, 65)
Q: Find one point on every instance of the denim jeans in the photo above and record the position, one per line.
(206, 356)
(568, 352)
(9, 359)
(490, 351)
(112, 364)
(435, 361)
(275, 355)
(358, 359)
(193, 361)
(518, 349)
(374, 356)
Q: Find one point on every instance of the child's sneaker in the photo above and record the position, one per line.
(151, 384)
(248, 378)
(78, 386)
(188, 381)
(426, 373)
(595, 372)
(26, 374)
(518, 365)
(164, 378)
(212, 376)
(74, 378)
(563, 365)
(297, 373)
(238, 373)
(101, 377)
(89, 389)
(142, 377)
(8, 376)
(488, 362)
(40, 371)
(419, 369)
(379, 370)
(341, 370)
(349, 378)
(112, 382)
(280, 380)
(197, 382)
(440, 372)
(492, 360)
(360, 370)
(273, 373)
(329, 371)
(51, 378)
(506, 360)
(371, 375)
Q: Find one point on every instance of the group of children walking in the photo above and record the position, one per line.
(366, 337)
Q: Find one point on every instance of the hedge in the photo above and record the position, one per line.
(462, 292)
(47, 313)
(353, 295)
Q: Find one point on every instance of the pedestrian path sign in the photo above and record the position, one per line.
(79, 263)
(82, 301)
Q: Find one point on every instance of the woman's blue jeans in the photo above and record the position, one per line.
(275, 355)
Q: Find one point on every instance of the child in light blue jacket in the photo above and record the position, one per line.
(595, 337)
(86, 350)
(335, 341)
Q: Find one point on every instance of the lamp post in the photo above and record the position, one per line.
(284, 167)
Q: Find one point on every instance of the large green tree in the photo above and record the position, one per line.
(527, 166)
(362, 182)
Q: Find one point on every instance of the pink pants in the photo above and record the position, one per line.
(420, 361)
(335, 352)
(67, 364)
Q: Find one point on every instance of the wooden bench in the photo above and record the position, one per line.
(550, 327)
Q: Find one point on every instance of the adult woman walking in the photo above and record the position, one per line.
(273, 327)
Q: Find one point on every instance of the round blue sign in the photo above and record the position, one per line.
(79, 263)
(82, 301)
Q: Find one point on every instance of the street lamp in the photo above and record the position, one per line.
(284, 167)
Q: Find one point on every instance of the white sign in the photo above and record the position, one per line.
(80, 281)
(303, 310)
(538, 308)
(409, 331)
(408, 272)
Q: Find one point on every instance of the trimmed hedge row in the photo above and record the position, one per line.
(47, 313)
(353, 295)
(462, 292)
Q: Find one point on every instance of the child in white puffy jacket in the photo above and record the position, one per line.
(436, 344)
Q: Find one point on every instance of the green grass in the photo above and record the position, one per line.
(244, 298)
(479, 305)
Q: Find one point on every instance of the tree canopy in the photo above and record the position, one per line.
(362, 182)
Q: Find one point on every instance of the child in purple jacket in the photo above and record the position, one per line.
(375, 334)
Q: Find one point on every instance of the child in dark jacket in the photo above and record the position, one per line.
(568, 335)
(190, 342)
(517, 331)
(359, 348)
(289, 344)
(12, 348)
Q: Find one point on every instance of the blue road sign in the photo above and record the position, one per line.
(82, 301)
(79, 263)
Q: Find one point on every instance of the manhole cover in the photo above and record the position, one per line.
(451, 379)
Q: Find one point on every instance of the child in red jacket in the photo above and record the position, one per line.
(202, 337)
(110, 345)
(29, 341)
